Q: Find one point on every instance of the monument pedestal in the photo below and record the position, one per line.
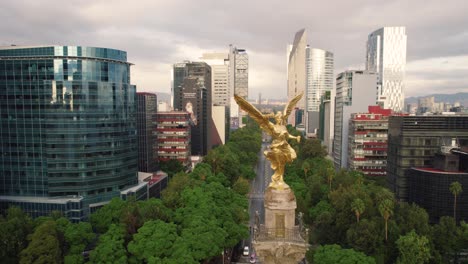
(279, 240)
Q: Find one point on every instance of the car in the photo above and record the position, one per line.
(246, 251)
(252, 259)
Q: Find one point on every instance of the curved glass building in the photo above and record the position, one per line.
(68, 131)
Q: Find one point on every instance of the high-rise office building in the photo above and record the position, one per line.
(327, 120)
(354, 93)
(319, 79)
(239, 72)
(68, 131)
(413, 141)
(146, 126)
(220, 85)
(192, 93)
(386, 56)
(297, 74)
(238, 82)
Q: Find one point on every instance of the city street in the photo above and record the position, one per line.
(257, 190)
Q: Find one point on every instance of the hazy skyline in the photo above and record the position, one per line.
(157, 34)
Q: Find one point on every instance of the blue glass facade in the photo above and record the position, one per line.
(68, 126)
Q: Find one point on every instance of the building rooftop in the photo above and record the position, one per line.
(440, 171)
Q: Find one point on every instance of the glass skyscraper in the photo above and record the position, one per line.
(68, 132)
(147, 107)
(319, 79)
(386, 56)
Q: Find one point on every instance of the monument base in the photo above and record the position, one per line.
(278, 252)
(280, 240)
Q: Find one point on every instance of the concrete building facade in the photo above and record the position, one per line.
(296, 68)
(174, 139)
(192, 93)
(367, 147)
(354, 93)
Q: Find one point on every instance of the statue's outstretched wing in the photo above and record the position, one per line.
(290, 106)
(262, 120)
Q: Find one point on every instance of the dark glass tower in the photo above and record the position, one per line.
(192, 94)
(68, 132)
(146, 129)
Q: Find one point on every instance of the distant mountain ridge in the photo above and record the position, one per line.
(462, 98)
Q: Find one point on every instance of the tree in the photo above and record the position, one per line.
(153, 242)
(171, 195)
(446, 236)
(386, 210)
(241, 186)
(330, 176)
(171, 167)
(411, 216)
(223, 159)
(413, 249)
(77, 237)
(44, 246)
(334, 254)
(14, 230)
(305, 167)
(110, 248)
(154, 209)
(456, 189)
(109, 214)
(358, 207)
(364, 236)
(312, 148)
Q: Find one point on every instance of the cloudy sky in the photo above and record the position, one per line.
(158, 33)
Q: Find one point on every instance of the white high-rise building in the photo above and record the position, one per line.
(239, 71)
(239, 81)
(386, 56)
(319, 79)
(354, 93)
(297, 68)
(220, 86)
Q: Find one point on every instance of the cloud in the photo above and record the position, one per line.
(437, 75)
(157, 34)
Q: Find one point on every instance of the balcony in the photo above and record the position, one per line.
(263, 234)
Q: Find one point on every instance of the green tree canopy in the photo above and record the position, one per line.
(413, 249)
(14, 230)
(334, 254)
(154, 241)
(111, 247)
(109, 214)
(171, 167)
(44, 246)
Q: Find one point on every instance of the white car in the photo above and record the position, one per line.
(246, 251)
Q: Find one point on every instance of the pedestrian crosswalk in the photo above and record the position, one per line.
(256, 196)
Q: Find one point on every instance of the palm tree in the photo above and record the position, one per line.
(305, 167)
(456, 189)
(330, 176)
(358, 207)
(386, 210)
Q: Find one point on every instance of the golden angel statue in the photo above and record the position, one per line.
(279, 151)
